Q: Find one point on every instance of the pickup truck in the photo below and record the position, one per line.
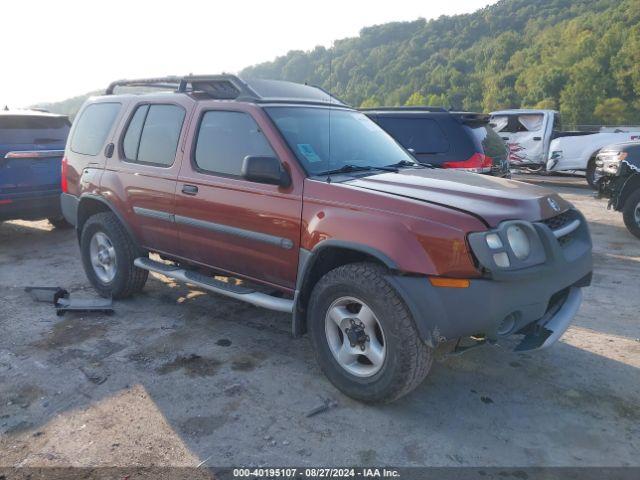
(279, 195)
(536, 141)
(31, 149)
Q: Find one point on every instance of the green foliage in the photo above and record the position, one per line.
(571, 55)
(416, 98)
(579, 56)
(613, 110)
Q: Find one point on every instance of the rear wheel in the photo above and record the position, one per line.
(591, 173)
(631, 213)
(364, 336)
(108, 253)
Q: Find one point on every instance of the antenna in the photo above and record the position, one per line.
(330, 75)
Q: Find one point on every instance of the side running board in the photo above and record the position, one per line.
(238, 292)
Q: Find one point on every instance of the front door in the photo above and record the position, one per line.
(228, 223)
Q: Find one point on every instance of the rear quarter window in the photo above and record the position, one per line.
(422, 135)
(92, 127)
(486, 139)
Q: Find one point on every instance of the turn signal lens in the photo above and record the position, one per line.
(449, 282)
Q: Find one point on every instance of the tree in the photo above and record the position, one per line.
(613, 111)
(570, 55)
(416, 98)
(370, 102)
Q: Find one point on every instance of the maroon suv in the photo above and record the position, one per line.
(308, 207)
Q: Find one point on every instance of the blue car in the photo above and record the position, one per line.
(31, 150)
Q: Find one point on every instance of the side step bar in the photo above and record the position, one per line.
(244, 294)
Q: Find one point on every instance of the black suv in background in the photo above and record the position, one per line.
(446, 139)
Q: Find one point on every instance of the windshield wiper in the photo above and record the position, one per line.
(348, 168)
(407, 163)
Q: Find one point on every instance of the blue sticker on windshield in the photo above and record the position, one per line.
(309, 153)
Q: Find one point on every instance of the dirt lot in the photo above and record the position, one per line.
(177, 377)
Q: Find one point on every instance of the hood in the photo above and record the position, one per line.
(490, 198)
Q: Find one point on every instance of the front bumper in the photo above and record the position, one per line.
(548, 330)
(537, 302)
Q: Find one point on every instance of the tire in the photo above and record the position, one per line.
(591, 173)
(406, 359)
(110, 238)
(631, 213)
(59, 223)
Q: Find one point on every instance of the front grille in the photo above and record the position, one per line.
(559, 221)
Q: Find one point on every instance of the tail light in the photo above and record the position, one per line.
(64, 166)
(478, 163)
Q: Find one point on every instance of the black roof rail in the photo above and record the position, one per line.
(222, 86)
(231, 87)
(406, 108)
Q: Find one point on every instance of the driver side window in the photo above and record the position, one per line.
(225, 139)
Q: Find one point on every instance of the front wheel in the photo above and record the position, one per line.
(631, 213)
(364, 336)
(108, 253)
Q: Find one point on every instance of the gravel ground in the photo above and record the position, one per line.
(176, 377)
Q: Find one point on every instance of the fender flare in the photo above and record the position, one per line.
(109, 205)
(306, 261)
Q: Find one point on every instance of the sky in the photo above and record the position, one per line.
(53, 50)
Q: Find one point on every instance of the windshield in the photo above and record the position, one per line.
(326, 139)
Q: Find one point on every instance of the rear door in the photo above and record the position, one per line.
(141, 175)
(31, 148)
(226, 222)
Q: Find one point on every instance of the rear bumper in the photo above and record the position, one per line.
(538, 305)
(31, 206)
(69, 206)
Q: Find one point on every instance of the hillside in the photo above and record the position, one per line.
(579, 56)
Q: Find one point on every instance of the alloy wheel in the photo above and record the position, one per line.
(103, 257)
(355, 337)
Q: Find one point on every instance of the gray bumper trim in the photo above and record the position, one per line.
(69, 207)
(555, 327)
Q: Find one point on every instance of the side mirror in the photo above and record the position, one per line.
(265, 170)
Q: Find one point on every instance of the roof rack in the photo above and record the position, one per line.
(222, 87)
(231, 87)
(405, 108)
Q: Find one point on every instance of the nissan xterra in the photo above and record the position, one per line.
(304, 205)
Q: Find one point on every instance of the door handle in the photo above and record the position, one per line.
(505, 138)
(189, 189)
(537, 139)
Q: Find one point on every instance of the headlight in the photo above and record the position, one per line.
(519, 242)
(513, 245)
(608, 162)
